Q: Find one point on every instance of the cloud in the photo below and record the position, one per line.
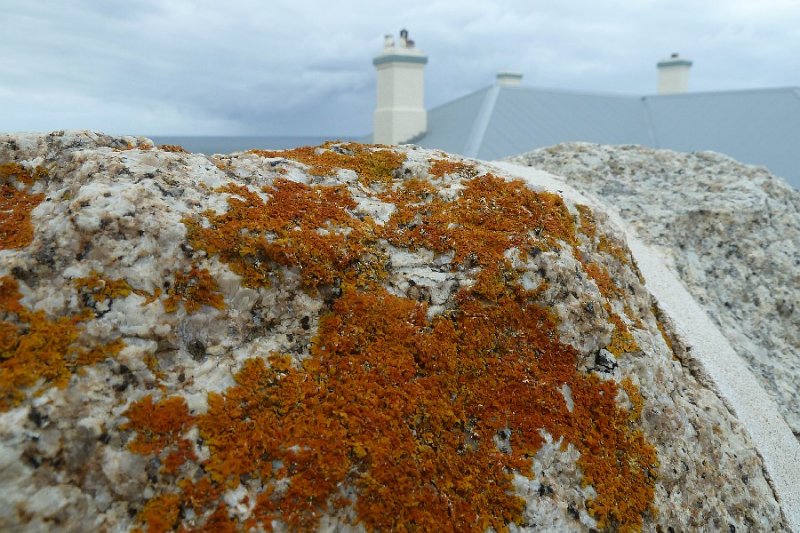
(304, 67)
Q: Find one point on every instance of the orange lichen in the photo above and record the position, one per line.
(490, 216)
(442, 167)
(195, 289)
(16, 204)
(10, 296)
(633, 317)
(603, 243)
(622, 340)
(160, 513)
(199, 495)
(668, 337)
(219, 521)
(390, 399)
(588, 224)
(37, 352)
(301, 225)
(601, 277)
(101, 288)
(397, 409)
(372, 164)
(616, 251)
(89, 356)
(159, 428)
(222, 164)
(152, 364)
(175, 459)
(15, 171)
(148, 297)
(173, 148)
(634, 396)
(141, 145)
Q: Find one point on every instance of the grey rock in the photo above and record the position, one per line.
(732, 232)
(117, 208)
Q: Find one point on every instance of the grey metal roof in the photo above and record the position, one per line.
(759, 127)
(450, 125)
(523, 117)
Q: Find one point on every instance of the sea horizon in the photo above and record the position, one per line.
(224, 144)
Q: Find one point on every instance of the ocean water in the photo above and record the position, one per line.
(226, 145)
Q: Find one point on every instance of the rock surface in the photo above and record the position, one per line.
(732, 232)
(343, 337)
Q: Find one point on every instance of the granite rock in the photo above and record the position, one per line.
(338, 338)
(731, 231)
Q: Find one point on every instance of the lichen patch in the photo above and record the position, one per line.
(38, 352)
(16, 204)
(391, 395)
(373, 164)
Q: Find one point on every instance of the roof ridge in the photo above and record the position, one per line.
(649, 124)
(481, 123)
(795, 89)
(575, 92)
(463, 97)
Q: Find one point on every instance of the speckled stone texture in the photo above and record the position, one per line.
(732, 232)
(171, 355)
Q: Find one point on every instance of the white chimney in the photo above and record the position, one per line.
(673, 75)
(400, 112)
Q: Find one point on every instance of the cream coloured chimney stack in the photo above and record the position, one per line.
(673, 75)
(400, 111)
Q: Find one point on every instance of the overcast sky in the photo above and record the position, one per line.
(303, 67)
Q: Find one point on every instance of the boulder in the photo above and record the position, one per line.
(731, 232)
(343, 337)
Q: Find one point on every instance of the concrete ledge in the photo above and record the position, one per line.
(735, 384)
(674, 63)
(398, 58)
